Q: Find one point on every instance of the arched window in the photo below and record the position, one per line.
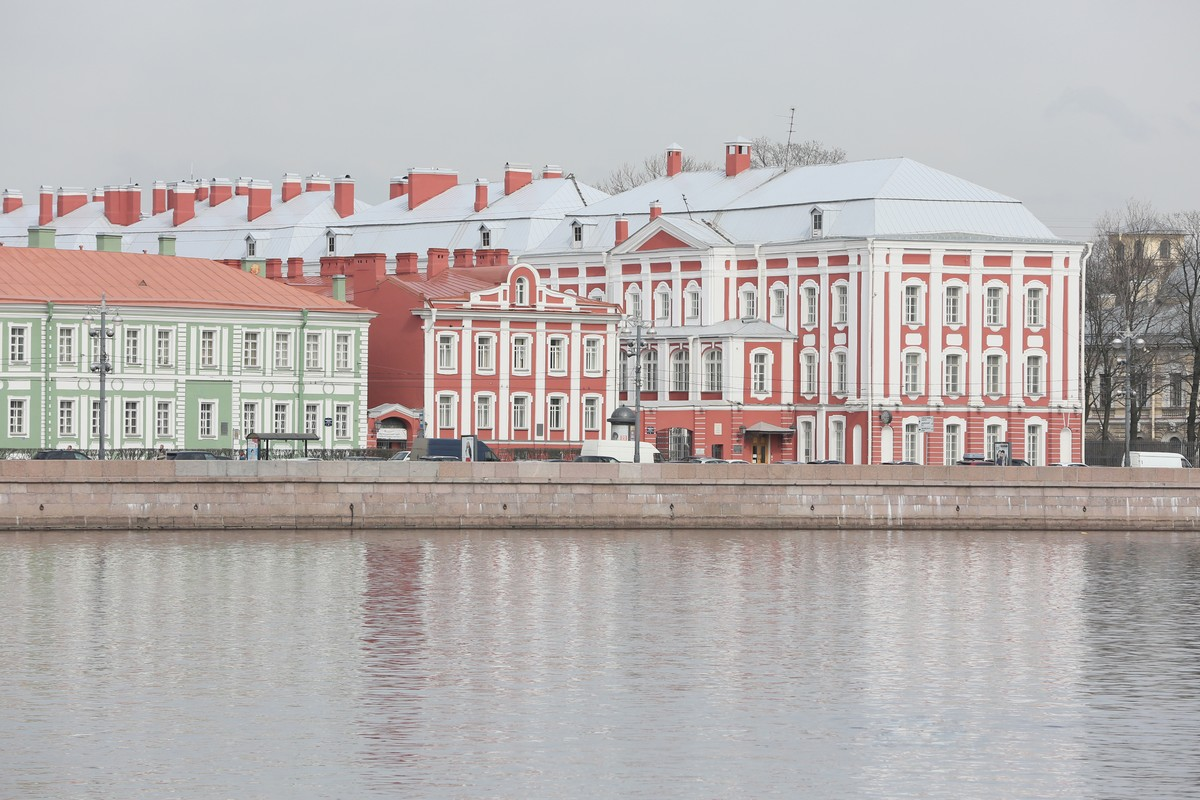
(1164, 248)
(714, 369)
(662, 306)
(760, 373)
(749, 297)
(650, 371)
(680, 371)
(522, 291)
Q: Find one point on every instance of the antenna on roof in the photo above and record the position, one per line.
(686, 206)
(787, 151)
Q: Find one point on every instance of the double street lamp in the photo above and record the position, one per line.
(637, 326)
(1128, 340)
(102, 325)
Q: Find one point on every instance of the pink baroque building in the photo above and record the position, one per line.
(863, 312)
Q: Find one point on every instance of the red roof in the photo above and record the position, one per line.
(132, 279)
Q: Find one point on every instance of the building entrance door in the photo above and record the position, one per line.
(760, 450)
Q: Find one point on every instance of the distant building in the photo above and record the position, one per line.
(201, 355)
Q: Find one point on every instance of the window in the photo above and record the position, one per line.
(992, 435)
(283, 350)
(806, 443)
(778, 304)
(993, 306)
(485, 353)
(445, 411)
(485, 237)
(162, 348)
(312, 351)
(483, 412)
(556, 415)
(662, 306)
(1034, 313)
(650, 371)
(66, 417)
(749, 302)
(133, 418)
(680, 371)
(912, 304)
(341, 421)
(952, 300)
(520, 354)
(66, 345)
(249, 418)
(312, 418)
(281, 418)
(208, 348)
(912, 373)
(808, 373)
(96, 419)
(341, 352)
(577, 234)
(133, 346)
(520, 412)
(693, 304)
(810, 306)
(1164, 248)
(446, 352)
(837, 439)
(18, 336)
(993, 374)
(331, 244)
(912, 443)
(592, 361)
(207, 419)
(841, 304)
(1033, 376)
(952, 449)
(251, 247)
(162, 418)
(17, 417)
(557, 356)
(760, 373)
(591, 413)
(1033, 445)
(714, 370)
(840, 373)
(250, 347)
(522, 287)
(633, 304)
(818, 223)
(1175, 390)
(952, 375)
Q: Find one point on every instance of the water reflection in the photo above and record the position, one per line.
(600, 664)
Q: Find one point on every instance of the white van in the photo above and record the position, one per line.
(1168, 460)
(621, 450)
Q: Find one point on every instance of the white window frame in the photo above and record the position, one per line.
(250, 417)
(341, 352)
(593, 350)
(312, 418)
(806, 441)
(556, 412)
(163, 410)
(1035, 440)
(952, 443)
(164, 347)
(522, 346)
(913, 304)
(446, 416)
(1035, 375)
(1035, 307)
(556, 354)
(837, 439)
(208, 348)
(681, 370)
(993, 433)
(994, 306)
(993, 374)
(521, 290)
(714, 370)
(282, 351)
(808, 372)
(18, 417)
(251, 349)
(313, 347)
(810, 305)
(591, 413)
(779, 304)
(66, 417)
(281, 417)
(694, 304)
(485, 353)
(133, 346)
(66, 344)
(912, 443)
(914, 373)
(18, 344)
(650, 370)
(206, 419)
(952, 305)
(662, 306)
(447, 352)
(485, 416)
(760, 373)
(841, 304)
(520, 412)
(841, 372)
(132, 418)
(748, 297)
(952, 374)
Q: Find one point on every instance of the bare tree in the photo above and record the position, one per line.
(764, 152)
(1184, 288)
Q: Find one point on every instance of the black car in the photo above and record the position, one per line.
(61, 455)
(194, 455)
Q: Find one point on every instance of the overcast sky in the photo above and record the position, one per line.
(1072, 106)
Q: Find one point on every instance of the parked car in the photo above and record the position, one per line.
(194, 455)
(594, 459)
(402, 455)
(61, 455)
(1138, 458)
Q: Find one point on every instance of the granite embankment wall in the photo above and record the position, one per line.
(198, 495)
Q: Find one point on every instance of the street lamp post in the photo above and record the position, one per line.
(1127, 339)
(104, 330)
(637, 325)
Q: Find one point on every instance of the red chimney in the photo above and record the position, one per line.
(201, 192)
(437, 263)
(259, 201)
(398, 187)
(674, 160)
(46, 206)
(317, 183)
(70, 199)
(343, 196)
(132, 204)
(481, 194)
(241, 187)
(515, 177)
(295, 268)
(464, 258)
(98, 195)
(551, 171)
(655, 210)
(367, 270)
(220, 191)
(737, 157)
(185, 203)
(158, 198)
(622, 226)
(290, 187)
(406, 263)
(425, 184)
(274, 268)
(500, 257)
(13, 199)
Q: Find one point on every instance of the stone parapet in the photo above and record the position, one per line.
(208, 495)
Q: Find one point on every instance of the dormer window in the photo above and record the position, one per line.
(818, 221)
(522, 291)
(576, 235)
(332, 239)
(251, 247)
(485, 238)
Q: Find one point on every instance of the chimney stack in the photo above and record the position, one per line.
(241, 187)
(464, 258)
(45, 206)
(516, 176)
(398, 187)
(132, 204)
(655, 210)
(317, 183)
(70, 199)
(481, 194)
(220, 191)
(13, 199)
(202, 189)
(291, 186)
(259, 202)
(166, 244)
(185, 204)
(425, 184)
(622, 226)
(737, 157)
(158, 198)
(674, 160)
(406, 263)
(343, 196)
(551, 171)
(295, 268)
(437, 263)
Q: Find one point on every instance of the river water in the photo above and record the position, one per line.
(564, 664)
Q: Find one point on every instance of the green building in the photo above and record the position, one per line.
(199, 354)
